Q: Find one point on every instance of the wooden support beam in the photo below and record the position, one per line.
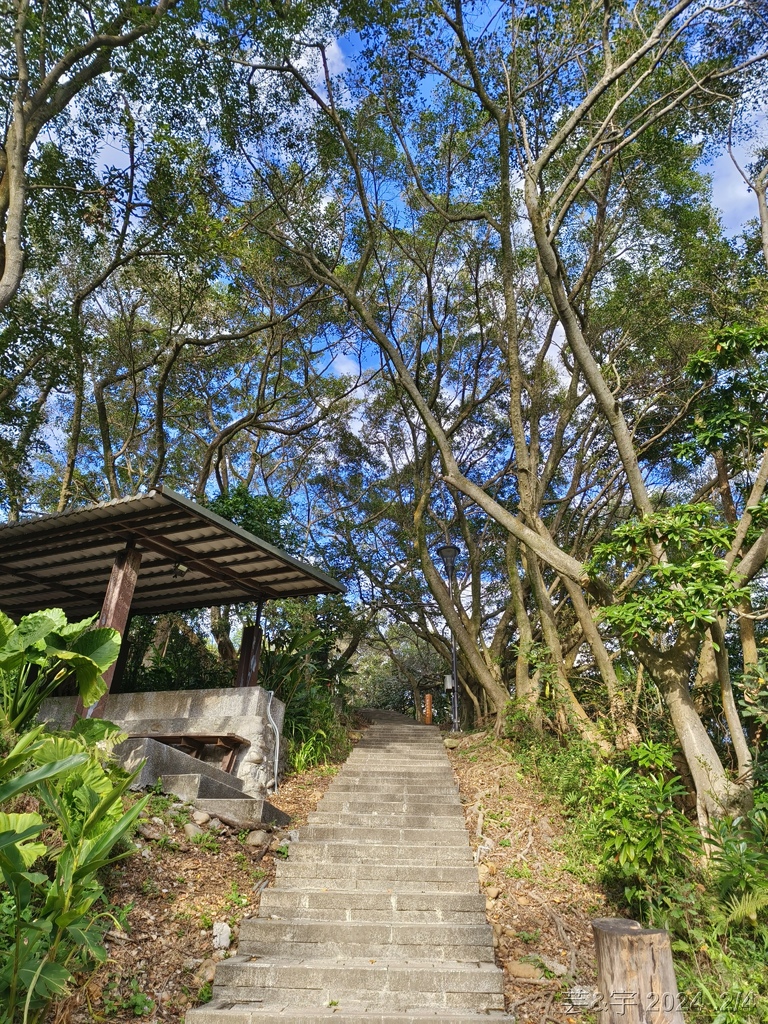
(250, 652)
(115, 612)
(635, 975)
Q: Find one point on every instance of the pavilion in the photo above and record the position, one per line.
(149, 554)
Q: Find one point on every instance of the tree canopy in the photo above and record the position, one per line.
(369, 279)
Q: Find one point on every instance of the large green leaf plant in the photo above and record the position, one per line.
(52, 912)
(43, 650)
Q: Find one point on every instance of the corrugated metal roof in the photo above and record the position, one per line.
(64, 560)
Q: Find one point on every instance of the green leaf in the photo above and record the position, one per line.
(46, 771)
(36, 627)
(49, 980)
(102, 646)
(87, 673)
(7, 629)
(23, 826)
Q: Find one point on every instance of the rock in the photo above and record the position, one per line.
(149, 832)
(205, 972)
(354, 737)
(451, 742)
(518, 969)
(293, 836)
(552, 965)
(200, 817)
(191, 964)
(147, 854)
(157, 821)
(257, 838)
(215, 824)
(489, 904)
(483, 873)
(222, 935)
(493, 893)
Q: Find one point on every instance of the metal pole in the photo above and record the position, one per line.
(454, 670)
(455, 690)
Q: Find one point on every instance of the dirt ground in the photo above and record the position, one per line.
(540, 911)
(169, 894)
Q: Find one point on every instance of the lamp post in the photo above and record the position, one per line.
(448, 554)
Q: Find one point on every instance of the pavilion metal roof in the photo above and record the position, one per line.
(64, 560)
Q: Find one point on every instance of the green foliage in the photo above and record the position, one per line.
(183, 661)
(259, 514)
(207, 841)
(729, 412)
(626, 820)
(44, 650)
(314, 750)
(297, 669)
(691, 587)
(50, 918)
(643, 838)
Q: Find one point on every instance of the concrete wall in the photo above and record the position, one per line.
(242, 711)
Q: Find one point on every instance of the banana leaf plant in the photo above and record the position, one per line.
(43, 650)
(57, 923)
(18, 849)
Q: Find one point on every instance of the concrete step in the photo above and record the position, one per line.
(396, 758)
(400, 877)
(190, 787)
(374, 820)
(335, 857)
(402, 767)
(364, 784)
(352, 905)
(343, 789)
(456, 836)
(383, 985)
(155, 760)
(243, 813)
(367, 804)
(222, 1012)
(460, 943)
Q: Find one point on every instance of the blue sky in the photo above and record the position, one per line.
(730, 193)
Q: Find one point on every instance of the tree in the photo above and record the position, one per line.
(565, 109)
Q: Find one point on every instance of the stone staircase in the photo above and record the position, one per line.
(376, 915)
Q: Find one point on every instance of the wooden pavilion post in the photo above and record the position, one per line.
(115, 612)
(250, 652)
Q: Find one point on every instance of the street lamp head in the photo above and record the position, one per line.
(448, 553)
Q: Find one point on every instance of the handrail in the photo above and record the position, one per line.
(271, 694)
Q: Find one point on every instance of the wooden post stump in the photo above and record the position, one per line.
(635, 974)
(428, 709)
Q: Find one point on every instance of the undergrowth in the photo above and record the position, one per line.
(629, 831)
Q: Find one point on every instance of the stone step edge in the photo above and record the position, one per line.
(244, 1013)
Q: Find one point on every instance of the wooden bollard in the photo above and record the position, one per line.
(428, 709)
(635, 974)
